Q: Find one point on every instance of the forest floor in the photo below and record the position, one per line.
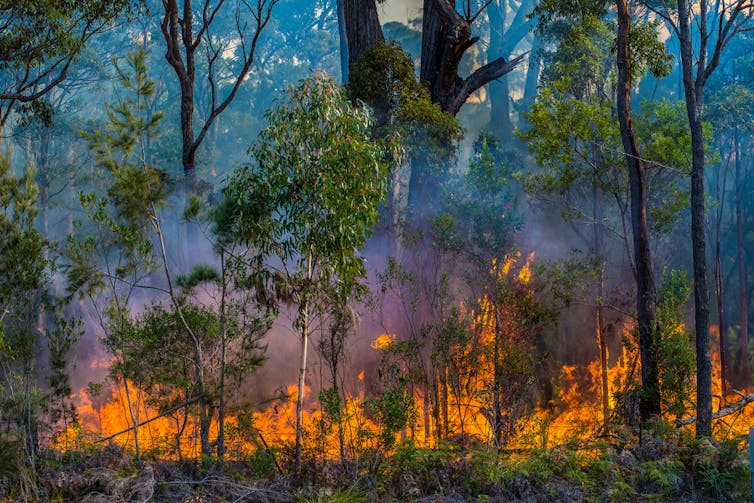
(670, 467)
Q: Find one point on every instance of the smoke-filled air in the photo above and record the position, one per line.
(376, 250)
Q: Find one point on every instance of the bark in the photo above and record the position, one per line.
(499, 91)
(223, 357)
(693, 89)
(304, 313)
(300, 398)
(600, 310)
(646, 296)
(719, 291)
(343, 38)
(446, 36)
(362, 27)
(503, 41)
(532, 78)
(743, 301)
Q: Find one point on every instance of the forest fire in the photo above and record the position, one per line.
(255, 270)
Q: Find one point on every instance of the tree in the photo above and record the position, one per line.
(646, 294)
(131, 245)
(23, 276)
(503, 40)
(446, 36)
(361, 28)
(575, 113)
(309, 202)
(40, 41)
(716, 27)
(188, 28)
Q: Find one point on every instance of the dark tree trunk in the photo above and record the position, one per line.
(743, 302)
(719, 290)
(693, 91)
(362, 27)
(446, 36)
(646, 297)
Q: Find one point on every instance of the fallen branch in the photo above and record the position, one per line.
(725, 411)
(158, 416)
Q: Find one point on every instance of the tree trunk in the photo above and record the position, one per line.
(301, 387)
(719, 292)
(693, 92)
(532, 76)
(499, 91)
(646, 297)
(362, 27)
(134, 420)
(446, 36)
(343, 38)
(599, 309)
(721, 325)
(743, 301)
(304, 313)
(223, 356)
(497, 406)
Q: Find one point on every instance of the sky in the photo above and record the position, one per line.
(399, 10)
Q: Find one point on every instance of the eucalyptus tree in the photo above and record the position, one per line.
(510, 25)
(584, 73)
(226, 35)
(309, 202)
(39, 42)
(713, 25)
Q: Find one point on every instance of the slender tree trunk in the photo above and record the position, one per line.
(693, 91)
(646, 296)
(301, 387)
(223, 350)
(134, 420)
(499, 91)
(532, 77)
(719, 293)
(304, 312)
(722, 326)
(497, 392)
(743, 301)
(599, 308)
(343, 37)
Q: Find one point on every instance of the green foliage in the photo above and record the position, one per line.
(199, 274)
(136, 188)
(675, 355)
(22, 263)
(24, 276)
(311, 199)
(39, 40)
(384, 78)
(482, 205)
(351, 494)
(125, 217)
(393, 410)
